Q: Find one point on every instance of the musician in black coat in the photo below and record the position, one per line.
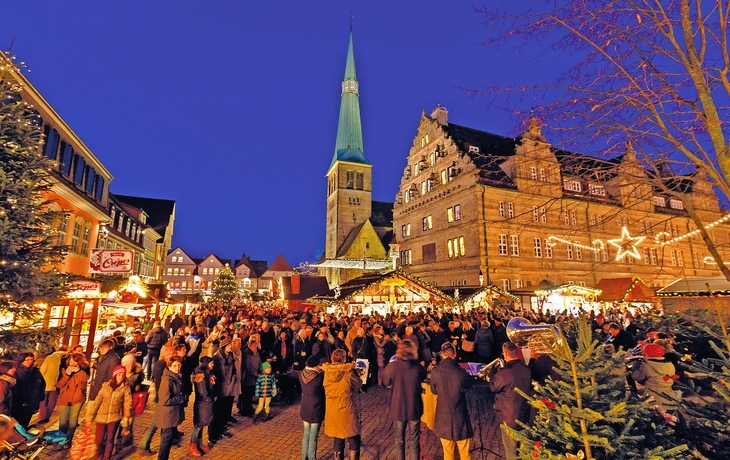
(509, 405)
(450, 382)
(404, 377)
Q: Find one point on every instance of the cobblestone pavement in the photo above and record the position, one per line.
(280, 437)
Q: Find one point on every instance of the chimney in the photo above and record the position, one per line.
(441, 115)
(295, 283)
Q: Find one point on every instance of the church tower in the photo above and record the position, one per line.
(349, 177)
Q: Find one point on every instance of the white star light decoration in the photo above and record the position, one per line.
(626, 245)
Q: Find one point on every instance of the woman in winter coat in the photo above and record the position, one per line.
(468, 336)
(170, 411)
(313, 403)
(300, 350)
(72, 393)
(341, 383)
(484, 343)
(203, 381)
(657, 375)
(7, 381)
(29, 390)
(112, 407)
(360, 348)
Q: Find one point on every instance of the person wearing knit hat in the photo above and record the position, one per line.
(657, 374)
(265, 390)
(111, 407)
(223, 341)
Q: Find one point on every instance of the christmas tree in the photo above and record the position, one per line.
(225, 286)
(588, 413)
(28, 253)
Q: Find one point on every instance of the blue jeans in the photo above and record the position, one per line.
(147, 437)
(309, 441)
(68, 419)
(407, 434)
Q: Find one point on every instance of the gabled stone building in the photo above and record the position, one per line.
(475, 207)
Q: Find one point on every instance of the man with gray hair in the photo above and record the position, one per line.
(450, 382)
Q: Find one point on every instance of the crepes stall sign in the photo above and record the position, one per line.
(111, 261)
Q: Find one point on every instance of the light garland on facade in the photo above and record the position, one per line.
(552, 241)
(658, 236)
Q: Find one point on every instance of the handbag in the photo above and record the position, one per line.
(139, 402)
(467, 345)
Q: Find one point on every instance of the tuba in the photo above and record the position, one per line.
(540, 337)
(484, 371)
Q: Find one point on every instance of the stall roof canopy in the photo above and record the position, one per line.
(309, 286)
(466, 293)
(358, 285)
(699, 285)
(624, 290)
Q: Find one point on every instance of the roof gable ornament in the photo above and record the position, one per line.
(441, 115)
(534, 131)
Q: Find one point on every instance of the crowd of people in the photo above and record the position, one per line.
(233, 361)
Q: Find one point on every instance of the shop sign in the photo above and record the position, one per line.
(82, 289)
(111, 261)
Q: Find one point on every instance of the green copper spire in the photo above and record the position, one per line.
(348, 146)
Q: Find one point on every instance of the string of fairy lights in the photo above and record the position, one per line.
(627, 245)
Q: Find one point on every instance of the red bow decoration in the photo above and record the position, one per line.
(667, 377)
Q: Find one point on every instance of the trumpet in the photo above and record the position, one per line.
(484, 371)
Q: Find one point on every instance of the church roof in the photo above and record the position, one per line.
(348, 146)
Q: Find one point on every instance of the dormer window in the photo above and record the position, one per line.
(659, 201)
(597, 190)
(473, 149)
(572, 185)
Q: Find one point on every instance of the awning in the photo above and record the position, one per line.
(131, 309)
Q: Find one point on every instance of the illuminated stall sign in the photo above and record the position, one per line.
(111, 261)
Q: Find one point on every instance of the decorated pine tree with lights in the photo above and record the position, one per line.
(27, 237)
(225, 286)
(588, 413)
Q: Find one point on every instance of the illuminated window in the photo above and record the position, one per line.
(543, 176)
(510, 210)
(423, 188)
(403, 231)
(518, 284)
(462, 248)
(176, 271)
(444, 177)
(659, 201)
(450, 247)
(548, 250)
(408, 229)
(457, 212)
(205, 270)
(676, 204)
(533, 173)
(501, 209)
(505, 285)
(597, 190)
(169, 271)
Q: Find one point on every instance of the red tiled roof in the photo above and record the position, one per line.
(624, 290)
(280, 265)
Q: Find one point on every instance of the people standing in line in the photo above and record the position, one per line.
(404, 377)
(156, 339)
(72, 393)
(341, 383)
(265, 390)
(7, 381)
(170, 411)
(104, 366)
(313, 405)
(28, 390)
(509, 405)
(110, 408)
(451, 424)
(50, 370)
(203, 381)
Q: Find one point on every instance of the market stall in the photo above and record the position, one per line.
(626, 294)
(467, 298)
(566, 298)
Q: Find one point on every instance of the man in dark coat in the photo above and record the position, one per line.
(438, 338)
(223, 369)
(156, 338)
(499, 332)
(28, 391)
(170, 411)
(251, 370)
(450, 382)
(313, 404)
(508, 404)
(104, 367)
(620, 338)
(484, 341)
(404, 377)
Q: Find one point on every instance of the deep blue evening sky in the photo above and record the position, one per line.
(230, 108)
